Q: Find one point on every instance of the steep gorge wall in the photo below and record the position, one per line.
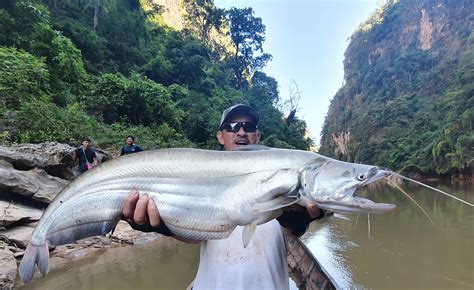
(407, 98)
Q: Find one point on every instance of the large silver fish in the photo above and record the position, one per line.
(201, 194)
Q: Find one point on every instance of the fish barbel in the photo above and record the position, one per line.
(201, 194)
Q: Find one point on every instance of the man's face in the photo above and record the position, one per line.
(86, 144)
(232, 140)
(129, 141)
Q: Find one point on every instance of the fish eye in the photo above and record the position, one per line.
(361, 177)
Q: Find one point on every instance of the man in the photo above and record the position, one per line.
(226, 264)
(86, 155)
(130, 147)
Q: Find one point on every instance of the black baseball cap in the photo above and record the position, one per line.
(239, 109)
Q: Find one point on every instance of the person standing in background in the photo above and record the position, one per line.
(130, 147)
(86, 155)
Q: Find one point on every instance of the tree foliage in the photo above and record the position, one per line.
(112, 68)
(407, 100)
(248, 34)
(23, 78)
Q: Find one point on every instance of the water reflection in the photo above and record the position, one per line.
(404, 249)
(156, 265)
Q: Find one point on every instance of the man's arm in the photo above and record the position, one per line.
(141, 213)
(74, 154)
(94, 158)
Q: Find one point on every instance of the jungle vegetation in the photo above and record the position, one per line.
(407, 102)
(107, 69)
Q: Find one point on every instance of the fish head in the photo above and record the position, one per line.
(332, 184)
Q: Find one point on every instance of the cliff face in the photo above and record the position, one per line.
(407, 98)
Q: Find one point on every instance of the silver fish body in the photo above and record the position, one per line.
(201, 194)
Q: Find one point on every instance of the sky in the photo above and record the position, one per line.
(307, 39)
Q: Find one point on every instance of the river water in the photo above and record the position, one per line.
(402, 249)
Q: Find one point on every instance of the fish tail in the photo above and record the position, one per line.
(34, 255)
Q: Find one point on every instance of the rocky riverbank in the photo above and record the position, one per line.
(31, 176)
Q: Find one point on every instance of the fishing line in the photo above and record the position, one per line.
(433, 188)
(392, 183)
(357, 218)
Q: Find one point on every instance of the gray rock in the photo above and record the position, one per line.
(54, 158)
(11, 213)
(7, 267)
(29, 172)
(35, 183)
(18, 235)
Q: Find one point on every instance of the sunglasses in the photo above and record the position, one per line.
(234, 127)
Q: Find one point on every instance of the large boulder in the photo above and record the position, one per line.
(53, 157)
(19, 236)
(12, 213)
(34, 183)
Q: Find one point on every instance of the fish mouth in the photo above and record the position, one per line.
(355, 204)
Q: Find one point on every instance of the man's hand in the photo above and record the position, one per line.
(143, 215)
(141, 210)
(310, 210)
(296, 218)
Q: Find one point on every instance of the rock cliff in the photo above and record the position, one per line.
(406, 102)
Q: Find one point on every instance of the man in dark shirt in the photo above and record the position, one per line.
(130, 147)
(86, 155)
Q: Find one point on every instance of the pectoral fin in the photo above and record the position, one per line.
(274, 204)
(247, 233)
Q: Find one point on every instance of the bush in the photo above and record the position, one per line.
(23, 78)
(39, 122)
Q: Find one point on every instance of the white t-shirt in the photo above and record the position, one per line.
(226, 264)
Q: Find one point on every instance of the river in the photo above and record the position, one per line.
(402, 249)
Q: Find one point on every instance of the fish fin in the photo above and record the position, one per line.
(247, 233)
(114, 226)
(34, 255)
(251, 148)
(81, 231)
(43, 259)
(276, 203)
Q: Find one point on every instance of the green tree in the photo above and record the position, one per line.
(23, 78)
(202, 16)
(248, 34)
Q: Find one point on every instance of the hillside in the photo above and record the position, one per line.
(407, 100)
(160, 70)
